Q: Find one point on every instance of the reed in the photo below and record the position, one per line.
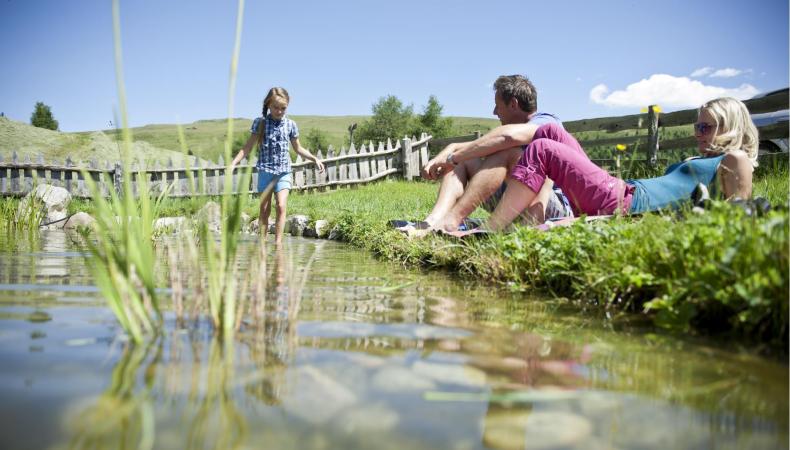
(121, 243)
(219, 259)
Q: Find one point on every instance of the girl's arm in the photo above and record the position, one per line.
(244, 150)
(305, 153)
(735, 173)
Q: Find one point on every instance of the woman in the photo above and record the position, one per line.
(726, 139)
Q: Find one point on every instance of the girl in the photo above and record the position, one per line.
(726, 139)
(274, 134)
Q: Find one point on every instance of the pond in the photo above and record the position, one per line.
(360, 353)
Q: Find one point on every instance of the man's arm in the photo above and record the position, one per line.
(500, 138)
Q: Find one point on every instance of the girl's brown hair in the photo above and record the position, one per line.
(274, 92)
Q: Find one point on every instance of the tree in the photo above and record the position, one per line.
(391, 119)
(432, 122)
(315, 139)
(42, 117)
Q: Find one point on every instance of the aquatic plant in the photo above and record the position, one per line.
(121, 241)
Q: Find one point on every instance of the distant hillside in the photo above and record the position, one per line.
(159, 142)
(206, 138)
(54, 147)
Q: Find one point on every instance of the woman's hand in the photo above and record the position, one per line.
(320, 165)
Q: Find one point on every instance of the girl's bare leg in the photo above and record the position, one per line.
(282, 206)
(265, 209)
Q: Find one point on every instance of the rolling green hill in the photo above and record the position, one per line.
(53, 147)
(159, 142)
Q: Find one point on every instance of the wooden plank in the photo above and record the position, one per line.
(342, 166)
(652, 134)
(773, 131)
(405, 160)
(608, 124)
(774, 101)
(363, 163)
(626, 140)
(319, 178)
(353, 172)
(439, 144)
(351, 183)
(424, 154)
(298, 172)
(381, 163)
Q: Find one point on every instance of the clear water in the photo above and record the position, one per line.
(364, 354)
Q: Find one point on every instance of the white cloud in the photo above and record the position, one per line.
(701, 72)
(667, 91)
(726, 73)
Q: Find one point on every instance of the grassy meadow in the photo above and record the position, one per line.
(160, 142)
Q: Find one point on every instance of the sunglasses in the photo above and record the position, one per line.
(703, 128)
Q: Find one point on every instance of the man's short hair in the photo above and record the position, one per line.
(520, 88)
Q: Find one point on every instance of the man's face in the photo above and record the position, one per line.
(506, 111)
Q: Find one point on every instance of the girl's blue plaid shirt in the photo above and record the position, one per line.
(273, 152)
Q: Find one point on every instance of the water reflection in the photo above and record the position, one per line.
(337, 350)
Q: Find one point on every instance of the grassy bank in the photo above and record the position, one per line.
(721, 272)
(717, 273)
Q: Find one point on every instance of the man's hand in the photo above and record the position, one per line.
(438, 166)
(320, 165)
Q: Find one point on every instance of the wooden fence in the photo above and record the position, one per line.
(344, 168)
(653, 123)
(368, 163)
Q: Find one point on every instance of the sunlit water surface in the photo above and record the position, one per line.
(351, 352)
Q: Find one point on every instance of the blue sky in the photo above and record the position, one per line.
(586, 58)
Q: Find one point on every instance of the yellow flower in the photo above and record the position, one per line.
(621, 147)
(656, 109)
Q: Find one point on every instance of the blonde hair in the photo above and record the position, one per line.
(277, 92)
(734, 127)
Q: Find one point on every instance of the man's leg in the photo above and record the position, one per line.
(517, 197)
(536, 211)
(451, 189)
(486, 181)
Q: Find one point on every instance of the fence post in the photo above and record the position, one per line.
(652, 135)
(117, 179)
(405, 147)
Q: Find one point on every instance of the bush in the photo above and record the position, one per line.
(391, 119)
(42, 117)
(315, 139)
(394, 120)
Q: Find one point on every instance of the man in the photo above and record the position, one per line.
(471, 172)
